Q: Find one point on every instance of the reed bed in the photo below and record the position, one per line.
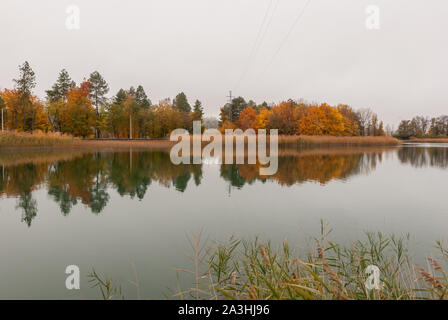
(11, 139)
(18, 139)
(159, 144)
(301, 141)
(429, 140)
(256, 270)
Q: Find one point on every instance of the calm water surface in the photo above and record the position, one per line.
(112, 209)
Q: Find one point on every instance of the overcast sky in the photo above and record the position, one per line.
(204, 48)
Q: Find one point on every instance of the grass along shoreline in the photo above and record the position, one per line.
(303, 141)
(257, 270)
(16, 139)
(11, 138)
(428, 140)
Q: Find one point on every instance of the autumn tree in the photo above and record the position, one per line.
(417, 127)
(2, 102)
(2, 106)
(38, 115)
(247, 118)
(11, 100)
(404, 129)
(79, 117)
(284, 117)
(439, 127)
(55, 109)
(381, 131)
(262, 119)
(163, 119)
(322, 120)
(350, 120)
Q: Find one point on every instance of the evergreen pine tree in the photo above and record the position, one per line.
(198, 111)
(181, 103)
(60, 88)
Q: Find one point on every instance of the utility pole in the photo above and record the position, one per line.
(130, 126)
(230, 119)
(3, 121)
(230, 105)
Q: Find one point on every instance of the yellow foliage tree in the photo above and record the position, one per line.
(322, 120)
(262, 119)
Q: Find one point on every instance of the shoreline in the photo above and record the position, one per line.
(427, 140)
(26, 140)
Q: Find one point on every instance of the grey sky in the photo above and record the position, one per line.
(202, 47)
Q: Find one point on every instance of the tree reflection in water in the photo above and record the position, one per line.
(317, 166)
(87, 177)
(420, 157)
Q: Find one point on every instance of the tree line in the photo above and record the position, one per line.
(84, 110)
(423, 127)
(298, 117)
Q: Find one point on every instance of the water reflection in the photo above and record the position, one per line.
(320, 166)
(420, 157)
(86, 177)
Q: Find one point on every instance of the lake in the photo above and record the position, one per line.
(115, 209)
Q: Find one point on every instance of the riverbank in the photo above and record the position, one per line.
(326, 141)
(429, 140)
(14, 139)
(39, 139)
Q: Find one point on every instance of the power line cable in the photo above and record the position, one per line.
(267, 27)
(285, 39)
(255, 45)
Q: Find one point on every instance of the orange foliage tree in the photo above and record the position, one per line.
(284, 117)
(23, 115)
(247, 118)
(79, 117)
